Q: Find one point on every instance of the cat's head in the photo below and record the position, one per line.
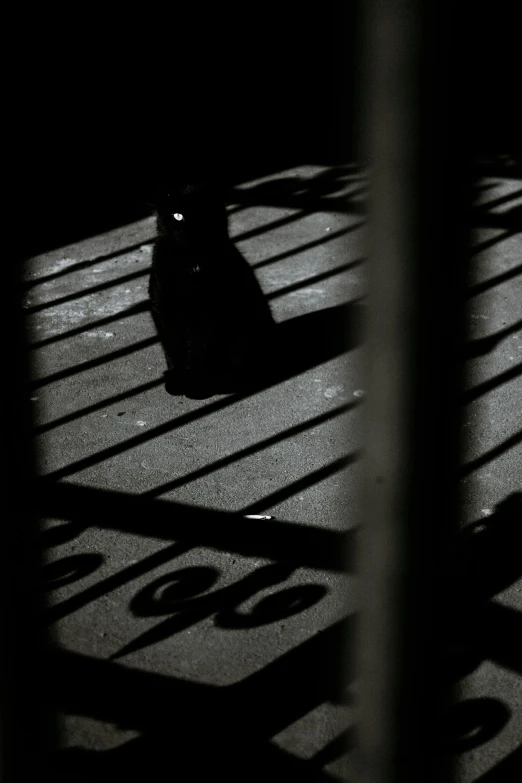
(193, 214)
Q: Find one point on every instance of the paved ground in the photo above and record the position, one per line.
(492, 482)
(192, 636)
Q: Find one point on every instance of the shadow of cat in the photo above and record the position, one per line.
(292, 347)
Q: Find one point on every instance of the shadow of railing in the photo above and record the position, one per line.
(229, 729)
(242, 718)
(199, 730)
(303, 342)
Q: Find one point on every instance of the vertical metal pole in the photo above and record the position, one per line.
(413, 377)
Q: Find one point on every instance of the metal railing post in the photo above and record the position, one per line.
(416, 273)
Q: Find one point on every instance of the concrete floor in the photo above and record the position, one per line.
(190, 635)
(492, 434)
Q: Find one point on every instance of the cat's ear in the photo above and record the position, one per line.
(155, 198)
(196, 187)
(208, 188)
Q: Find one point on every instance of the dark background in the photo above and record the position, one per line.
(102, 102)
(103, 106)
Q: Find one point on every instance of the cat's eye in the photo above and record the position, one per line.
(177, 216)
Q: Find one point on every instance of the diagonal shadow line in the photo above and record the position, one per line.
(498, 635)
(487, 386)
(497, 201)
(226, 756)
(273, 225)
(88, 365)
(315, 279)
(142, 273)
(485, 344)
(285, 765)
(143, 701)
(510, 218)
(479, 288)
(321, 659)
(307, 481)
(142, 307)
(249, 450)
(506, 771)
(322, 184)
(304, 212)
(89, 262)
(492, 454)
(486, 186)
(125, 696)
(295, 190)
(195, 526)
(145, 306)
(87, 291)
(97, 406)
(307, 246)
(113, 582)
(136, 440)
(344, 204)
(233, 209)
(315, 320)
(241, 205)
(304, 194)
(493, 241)
(335, 748)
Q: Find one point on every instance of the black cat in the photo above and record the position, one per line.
(209, 310)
